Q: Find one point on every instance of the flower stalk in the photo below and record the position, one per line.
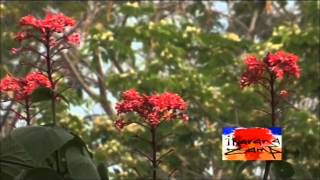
(273, 119)
(28, 116)
(52, 34)
(154, 153)
(153, 110)
(50, 77)
(278, 66)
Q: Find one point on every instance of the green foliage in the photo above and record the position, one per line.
(14, 158)
(182, 48)
(39, 174)
(103, 171)
(80, 164)
(283, 169)
(51, 139)
(28, 154)
(41, 94)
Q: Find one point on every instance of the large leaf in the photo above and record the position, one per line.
(41, 94)
(40, 174)
(41, 142)
(13, 158)
(79, 163)
(283, 169)
(45, 94)
(103, 171)
(29, 147)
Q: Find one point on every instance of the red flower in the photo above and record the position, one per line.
(254, 72)
(278, 64)
(167, 101)
(35, 80)
(52, 22)
(253, 63)
(282, 63)
(155, 108)
(74, 39)
(154, 118)
(131, 94)
(56, 22)
(284, 93)
(9, 83)
(119, 124)
(23, 87)
(29, 21)
(13, 85)
(21, 36)
(14, 51)
(132, 102)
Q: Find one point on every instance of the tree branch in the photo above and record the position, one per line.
(103, 89)
(78, 77)
(253, 22)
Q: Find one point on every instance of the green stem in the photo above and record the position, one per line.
(273, 120)
(53, 98)
(154, 153)
(28, 118)
(49, 72)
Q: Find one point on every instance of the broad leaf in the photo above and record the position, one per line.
(283, 169)
(79, 163)
(41, 142)
(103, 171)
(41, 94)
(63, 98)
(13, 158)
(41, 174)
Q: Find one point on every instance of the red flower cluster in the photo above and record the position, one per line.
(52, 23)
(119, 123)
(153, 108)
(22, 88)
(278, 64)
(254, 73)
(74, 39)
(282, 63)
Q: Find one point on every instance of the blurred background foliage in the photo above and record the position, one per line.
(195, 49)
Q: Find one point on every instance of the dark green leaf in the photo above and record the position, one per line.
(41, 94)
(80, 165)
(63, 98)
(13, 158)
(41, 142)
(103, 171)
(283, 169)
(41, 174)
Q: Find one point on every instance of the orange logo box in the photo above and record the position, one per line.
(252, 143)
